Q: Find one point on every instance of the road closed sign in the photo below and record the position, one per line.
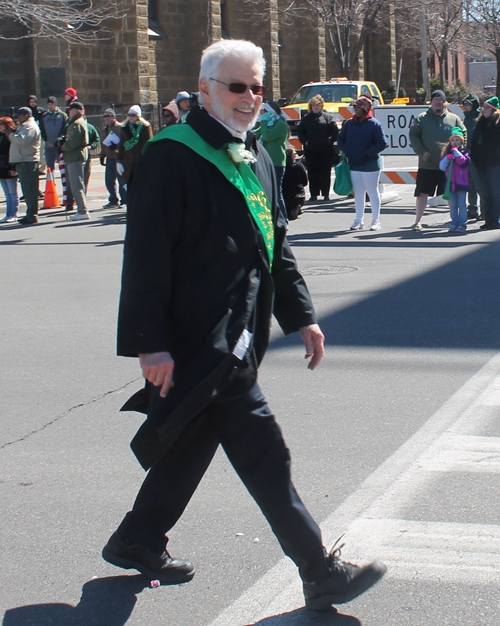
(396, 122)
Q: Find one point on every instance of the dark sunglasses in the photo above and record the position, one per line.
(257, 90)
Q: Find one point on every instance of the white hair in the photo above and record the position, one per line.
(213, 56)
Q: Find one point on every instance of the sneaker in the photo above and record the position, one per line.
(417, 227)
(461, 229)
(357, 225)
(79, 216)
(27, 219)
(453, 229)
(111, 205)
(375, 226)
(123, 204)
(154, 565)
(8, 220)
(346, 582)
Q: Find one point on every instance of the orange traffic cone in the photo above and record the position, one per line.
(50, 201)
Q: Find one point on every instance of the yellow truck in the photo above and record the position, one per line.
(337, 93)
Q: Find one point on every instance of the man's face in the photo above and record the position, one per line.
(22, 117)
(108, 119)
(437, 104)
(51, 106)
(67, 97)
(33, 103)
(184, 105)
(236, 110)
(72, 112)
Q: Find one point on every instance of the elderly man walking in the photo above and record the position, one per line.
(206, 264)
(429, 135)
(25, 155)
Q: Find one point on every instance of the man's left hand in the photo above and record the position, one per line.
(314, 341)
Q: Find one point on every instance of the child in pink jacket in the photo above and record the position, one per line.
(457, 157)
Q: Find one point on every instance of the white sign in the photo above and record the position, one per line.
(396, 121)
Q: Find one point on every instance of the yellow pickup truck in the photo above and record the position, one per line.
(337, 93)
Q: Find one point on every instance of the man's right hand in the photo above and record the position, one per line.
(426, 155)
(158, 369)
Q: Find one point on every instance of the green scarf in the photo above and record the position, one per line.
(136, 131)
(240, 175)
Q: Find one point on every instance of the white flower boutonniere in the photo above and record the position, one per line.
(239, 154)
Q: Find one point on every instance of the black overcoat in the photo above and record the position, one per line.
(196, 274)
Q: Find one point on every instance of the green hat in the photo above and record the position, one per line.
(457, 132)
(493, 103)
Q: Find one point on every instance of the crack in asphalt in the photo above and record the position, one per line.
(70, 410)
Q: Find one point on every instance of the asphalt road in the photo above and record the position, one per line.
(395, 439)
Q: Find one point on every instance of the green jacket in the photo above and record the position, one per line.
(274, 140)
(430, 132)
(77, 140)
(94, 137)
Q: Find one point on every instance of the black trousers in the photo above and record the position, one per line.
(489, 181)
(253, 443)
(319, 169)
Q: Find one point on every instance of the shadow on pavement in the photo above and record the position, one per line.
(104, 602)
(453, 306)
(303, 617)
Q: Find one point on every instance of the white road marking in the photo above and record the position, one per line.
(420, 550)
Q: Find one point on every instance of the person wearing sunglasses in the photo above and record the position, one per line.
(136, 132)
(206, 263)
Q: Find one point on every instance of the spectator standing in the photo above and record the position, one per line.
(472, 110)
(36, 111)
(75, 153)
(109, 158)
(70, 96)
(429, 135)
(273, 133)
(170, 114)
(318, 132)
(136, 132)
(362, 139)
(25, 155)
(51, 128)
(294, 182)
(457, 158)
(183, 102)
(94, 143)
(8, 175)
(485, 152)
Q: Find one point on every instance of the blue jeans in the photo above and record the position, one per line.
(111, 178)
(9, 186)
(458, 208)
(51, 157)
(489, 190)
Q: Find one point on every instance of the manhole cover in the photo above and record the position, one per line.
(321, 271)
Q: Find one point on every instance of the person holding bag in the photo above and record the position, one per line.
(361, 141)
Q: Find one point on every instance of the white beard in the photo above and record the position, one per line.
(240, 127)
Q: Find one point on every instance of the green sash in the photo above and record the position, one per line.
(447, 191)
(240, 175)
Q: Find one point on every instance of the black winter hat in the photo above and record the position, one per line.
(438, 94)
(76, 105)
(52, 99)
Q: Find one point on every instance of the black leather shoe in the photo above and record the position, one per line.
(28, 220)
(346, 582)
(152, 564)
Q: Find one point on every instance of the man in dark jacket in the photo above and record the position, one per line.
(206, 263)
(109, 158)
(472, 109)
(51, 127)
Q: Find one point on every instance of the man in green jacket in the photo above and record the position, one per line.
(74, 148)
(429, 135)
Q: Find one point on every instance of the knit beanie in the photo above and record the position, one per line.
(438, 94)
(33, 98)
(493, 103)
(24, 111)
(364, 102)
(173, 108)
(52, 99)
(71, 92)
(110, 112)
(76, 105)
(457, 132)
(135, 110)
(473, 100)
(182, 95)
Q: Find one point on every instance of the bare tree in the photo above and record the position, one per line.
(484, 29)
(74, 21)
